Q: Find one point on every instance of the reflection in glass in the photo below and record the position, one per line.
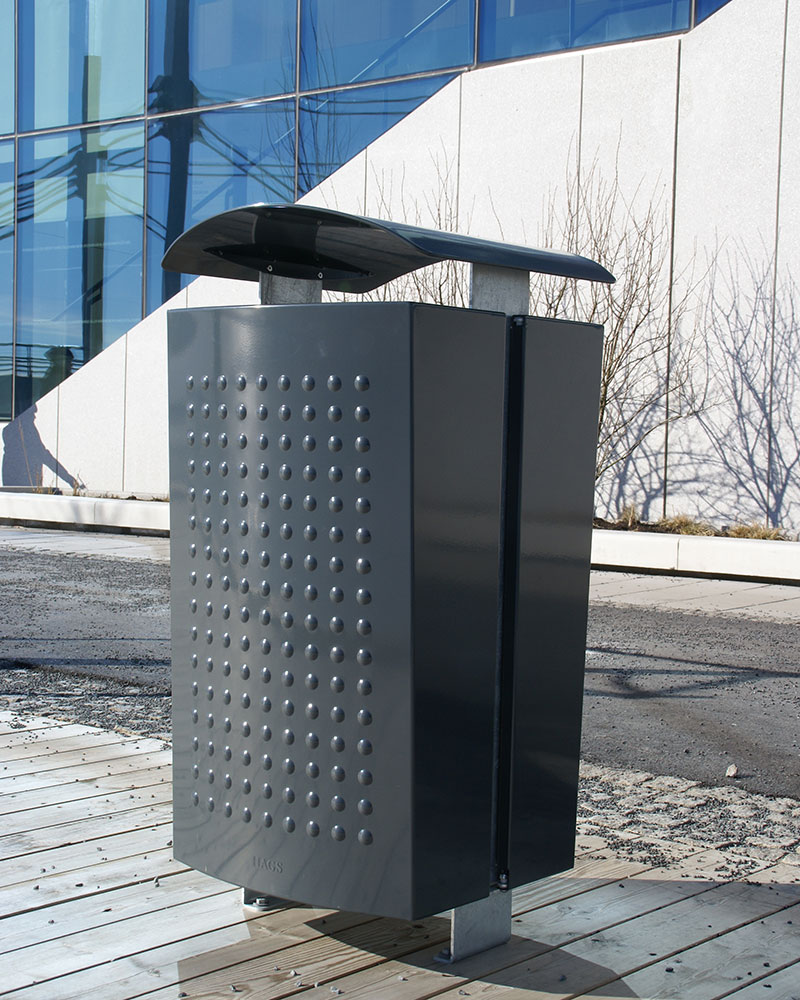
(705, 8)
(6, 66)
(350, 41)
(336, 125)
(79, 253)
(226, 50)
(521, 27)
(80, 61)
(201, 164)
(6, 273)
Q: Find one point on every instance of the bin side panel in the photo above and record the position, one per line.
(459, 372)
(561, 392)
(290, 453)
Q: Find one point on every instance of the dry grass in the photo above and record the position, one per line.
(684, 524)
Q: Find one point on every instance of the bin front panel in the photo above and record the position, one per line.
(291, 526)
(335, 524)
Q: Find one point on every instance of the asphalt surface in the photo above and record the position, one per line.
(87, 638)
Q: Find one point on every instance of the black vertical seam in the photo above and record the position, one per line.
(508, 598)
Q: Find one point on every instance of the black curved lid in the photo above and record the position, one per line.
(350, 253)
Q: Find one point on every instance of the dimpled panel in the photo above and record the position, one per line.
(299, 743)
(284, 576)
(277, 536)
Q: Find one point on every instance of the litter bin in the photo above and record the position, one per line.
(380, 533)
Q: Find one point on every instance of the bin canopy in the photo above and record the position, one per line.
(349, 253)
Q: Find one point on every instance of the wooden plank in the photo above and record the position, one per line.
(587, 874)
(782, 985)
(85, 742)
(585, 966)
(162, 927)
(101, 876)
(80, 831)
(73, 857)
(73, 791)
(15, 722)
(107, 804)
(269, 941)
(84, 771)
(114, 751)
(32, 737)
(77, 915)
(714, 969)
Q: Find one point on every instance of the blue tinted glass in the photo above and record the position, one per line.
(212, 51)
(521, 27)
(347, 41)
(336, 125)
(6, 273)
(6, 66)
(79, 250)
(80, 61)
(201, 164)
(705, 8)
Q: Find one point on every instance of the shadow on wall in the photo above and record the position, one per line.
(25, 456)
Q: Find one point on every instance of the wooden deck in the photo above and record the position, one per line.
(93, 906)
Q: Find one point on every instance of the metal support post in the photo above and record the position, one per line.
(276, 291)
(500, 289)
(478, 926)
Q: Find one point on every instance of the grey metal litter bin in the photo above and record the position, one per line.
(380, 524)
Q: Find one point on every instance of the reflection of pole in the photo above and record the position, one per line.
(91, 180)
(179, 93)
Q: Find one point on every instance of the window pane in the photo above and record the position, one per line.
(6, 66)
(80, 61)
(705, 8)
(201, 164)
(334, 126)
(212, 51)
(521, 27)
(79, 234)
(6, 273)
(346, 41)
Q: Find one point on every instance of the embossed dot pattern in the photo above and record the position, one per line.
(281, 527)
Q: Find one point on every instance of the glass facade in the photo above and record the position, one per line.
(79, 61)
(510, 28)
(353, 41)
(214, 51)
(137, 118)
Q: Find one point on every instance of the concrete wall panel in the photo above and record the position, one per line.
(146, 469)
(628, 121)
(91, 423)
(412, 170)
(520, 127)
(726, 191)
(786, 377)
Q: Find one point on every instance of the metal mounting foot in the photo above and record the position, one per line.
(478, 926)
(259, 901)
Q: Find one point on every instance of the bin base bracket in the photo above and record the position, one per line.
(478, 926)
